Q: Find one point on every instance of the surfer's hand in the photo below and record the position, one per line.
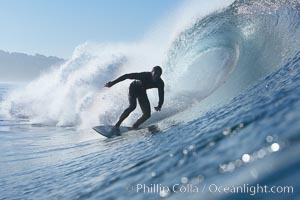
(109, 84)
(157, 108)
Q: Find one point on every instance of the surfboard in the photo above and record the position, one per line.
(109, 132)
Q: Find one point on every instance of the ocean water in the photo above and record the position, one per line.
(229, 128)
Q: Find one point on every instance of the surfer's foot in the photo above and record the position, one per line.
(134, 127)
(116, 129)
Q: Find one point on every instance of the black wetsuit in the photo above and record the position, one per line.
(137, 90)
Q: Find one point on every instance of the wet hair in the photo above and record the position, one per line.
(157, 69)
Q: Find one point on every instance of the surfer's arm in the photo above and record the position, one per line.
(137, 76)
(161, 95)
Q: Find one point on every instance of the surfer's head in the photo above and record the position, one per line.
(156, 73)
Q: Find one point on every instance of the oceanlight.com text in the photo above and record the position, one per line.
(211, 188)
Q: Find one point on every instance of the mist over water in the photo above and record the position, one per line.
(207, 48)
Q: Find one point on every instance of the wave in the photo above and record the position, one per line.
(254, 38)
(210, 56)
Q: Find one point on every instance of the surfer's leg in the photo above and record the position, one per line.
(145, 106)
(127, 111)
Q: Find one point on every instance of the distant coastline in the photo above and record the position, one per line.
(21, 67)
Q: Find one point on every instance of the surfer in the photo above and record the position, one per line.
(137, 91)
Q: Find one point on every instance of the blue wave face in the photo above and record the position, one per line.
(237, 45)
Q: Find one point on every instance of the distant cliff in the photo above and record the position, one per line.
(23, 67)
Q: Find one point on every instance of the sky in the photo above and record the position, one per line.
(56, 27)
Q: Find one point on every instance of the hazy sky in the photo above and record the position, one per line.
(56, 27)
